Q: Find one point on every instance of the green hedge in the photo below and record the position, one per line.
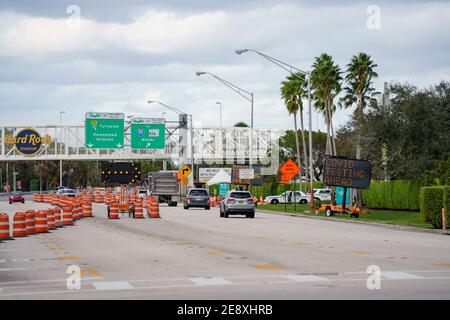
(395, 195)
(432, 200)
(447, 204)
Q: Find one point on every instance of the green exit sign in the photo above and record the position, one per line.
(104, 130)
(148, 133)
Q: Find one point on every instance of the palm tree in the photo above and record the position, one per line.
(292, 91)
(326, 85)
(359, 90)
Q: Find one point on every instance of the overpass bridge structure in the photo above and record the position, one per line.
(202, 144)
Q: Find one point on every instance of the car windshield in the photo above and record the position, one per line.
(67, 191)
(240, 195)
(198, 193)
(17, 193)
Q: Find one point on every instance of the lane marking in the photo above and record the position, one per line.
(215, 252)
(268, 266)
(361, 252)
(303, 243)
(112, 285)
(213, 281)
(72, 258)
(304, 278)
(92, 271)
(13, 269)
(441, 265)
(398, 275)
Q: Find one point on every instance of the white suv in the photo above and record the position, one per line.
(322, 194)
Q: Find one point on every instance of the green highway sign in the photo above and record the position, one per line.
(104, 130)
(148, 133)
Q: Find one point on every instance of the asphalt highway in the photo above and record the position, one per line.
(195, 254)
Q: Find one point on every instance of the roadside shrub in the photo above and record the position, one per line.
(395, 194)
(431, 203)
(447, 204)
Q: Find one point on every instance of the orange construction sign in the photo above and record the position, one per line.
(288, 170)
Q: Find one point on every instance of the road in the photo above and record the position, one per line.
(194, 254)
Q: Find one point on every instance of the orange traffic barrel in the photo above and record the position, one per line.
(37, 197)
(75, 211)
(138, 210)
(57, 214)
(153, 210)
(30, 222)
(67, 216)
(4, 226)
(113, 210)
(87, 209)
(41, 221)
(19, 225)
(51, 219)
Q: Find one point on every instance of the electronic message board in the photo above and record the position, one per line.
(349, 173)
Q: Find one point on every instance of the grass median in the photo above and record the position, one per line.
(404, 218)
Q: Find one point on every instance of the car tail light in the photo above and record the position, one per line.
(250, 200)
(231, 200)
(189, 198)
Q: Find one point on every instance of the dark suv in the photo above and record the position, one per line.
(197, 198)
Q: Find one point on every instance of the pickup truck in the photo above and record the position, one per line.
(288, 197)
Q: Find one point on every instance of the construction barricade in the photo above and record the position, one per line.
(4, 226)
(67, 216)
(19, 225)
(30, 222)
(41, 221)
(57, 214)
(113, 210)
(51, 219)
(87, 209)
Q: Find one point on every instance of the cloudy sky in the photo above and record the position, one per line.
(80, 56)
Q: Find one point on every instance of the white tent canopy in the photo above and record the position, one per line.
(221, 177)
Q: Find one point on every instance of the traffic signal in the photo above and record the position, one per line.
(120, 172)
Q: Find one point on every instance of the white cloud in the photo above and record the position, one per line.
(117, 65)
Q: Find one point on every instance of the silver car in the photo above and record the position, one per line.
(237, 202)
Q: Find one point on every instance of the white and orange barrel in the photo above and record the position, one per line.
(30, 222)
(41, 221)
(4, 226)
(51, 219)
(87, 209)
(57, 214)
(153, 210)
(75, 211)
(67, 215)
(19, 225)
(113, 210)
(37, 197)
(138, 209)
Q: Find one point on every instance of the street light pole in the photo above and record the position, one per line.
(292, 70)
(60, 149)
(220, 113)
(247, 96)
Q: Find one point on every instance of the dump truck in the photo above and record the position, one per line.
(164, 186)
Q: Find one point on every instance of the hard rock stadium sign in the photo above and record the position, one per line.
(28, 141)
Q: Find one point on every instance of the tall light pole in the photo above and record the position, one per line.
(247, 96)
(60, 149)
(192, 131)
(307, 74)
(220, 113)
(14, 180)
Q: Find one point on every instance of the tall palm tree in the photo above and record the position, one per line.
(360, 73)
(293, 89)
(326, 85)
